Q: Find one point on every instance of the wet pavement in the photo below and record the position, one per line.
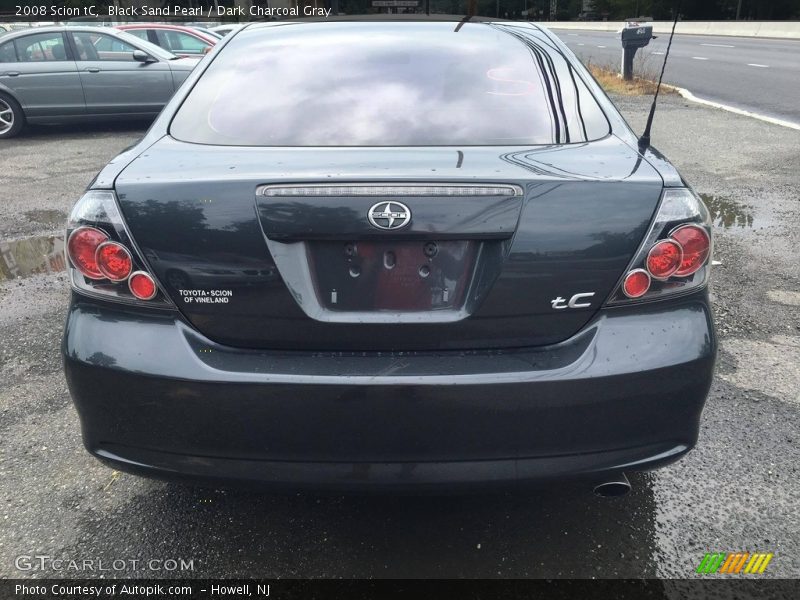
(737, 491)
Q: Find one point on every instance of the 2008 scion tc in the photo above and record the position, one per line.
(389, 254)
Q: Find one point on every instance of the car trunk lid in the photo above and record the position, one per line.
(275, 248)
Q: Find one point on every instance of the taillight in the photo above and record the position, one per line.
(114, 261)
(142, 285)
(664, 259)
(82, 250)
(675, 255)
(103, 259)
(636, 283)
(696, 246)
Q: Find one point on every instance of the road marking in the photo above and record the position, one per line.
(659, 53)
(601, 46)
(572, 34)
(719, 45)
(757, 65)
(699, 58)
(746, 113)
(579, 44)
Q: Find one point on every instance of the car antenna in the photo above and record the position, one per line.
(471, 10)
(644, 141)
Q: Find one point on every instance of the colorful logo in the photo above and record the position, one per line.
(734, 562)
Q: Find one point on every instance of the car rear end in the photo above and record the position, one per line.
(445, 266)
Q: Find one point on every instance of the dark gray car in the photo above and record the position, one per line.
(62, 74)
(416, 255)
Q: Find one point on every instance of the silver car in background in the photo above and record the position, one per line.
(68, 74)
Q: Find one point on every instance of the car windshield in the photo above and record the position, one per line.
(389, 84)
(148, 47)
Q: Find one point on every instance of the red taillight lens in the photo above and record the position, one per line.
(696, 246)
(82, 248)
(664, 259)
(142, 285)
(114, 261)
(636, 283)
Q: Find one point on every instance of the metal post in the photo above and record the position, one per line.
(627, 63)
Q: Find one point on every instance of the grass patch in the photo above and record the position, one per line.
(612, 82)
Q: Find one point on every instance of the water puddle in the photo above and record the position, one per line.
(31, 256)
(728, 214)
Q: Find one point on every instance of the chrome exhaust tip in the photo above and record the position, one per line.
(614, 487)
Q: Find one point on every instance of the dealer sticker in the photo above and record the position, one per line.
(206, 296)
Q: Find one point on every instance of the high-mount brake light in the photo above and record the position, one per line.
(142, 285)
(388, 189)
(636, 283)
(114, 261)
(696, 247)
(664, 259)
(82, 250)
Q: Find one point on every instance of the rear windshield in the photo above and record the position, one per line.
(382, 84)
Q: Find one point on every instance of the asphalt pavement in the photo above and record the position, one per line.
(737, 491)
(760, 75)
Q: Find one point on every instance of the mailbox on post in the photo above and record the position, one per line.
(636, 34)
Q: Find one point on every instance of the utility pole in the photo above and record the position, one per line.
(738, 10)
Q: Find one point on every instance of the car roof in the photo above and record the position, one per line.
(15, 33)
(154, 26)
(182, 28)
(393, 20)
(386, 18)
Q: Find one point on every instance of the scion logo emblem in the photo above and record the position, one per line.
(389, 215)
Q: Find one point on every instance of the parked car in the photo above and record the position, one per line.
(429, 256)
(224, 30)
(64, 74)
(180, 40)
(207, 32)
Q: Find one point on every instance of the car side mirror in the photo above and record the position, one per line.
(142, 56)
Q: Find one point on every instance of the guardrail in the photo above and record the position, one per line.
(765, 29)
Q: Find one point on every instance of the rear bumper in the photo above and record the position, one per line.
(157, 398)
